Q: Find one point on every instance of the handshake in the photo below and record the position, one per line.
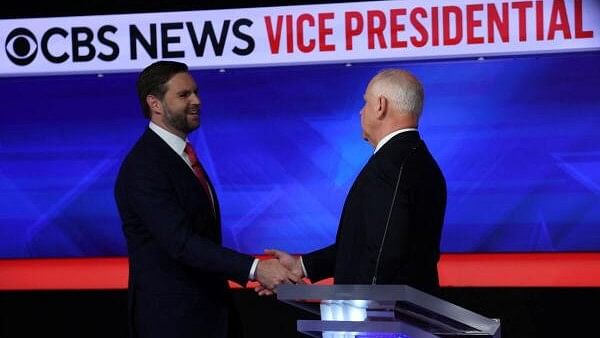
(282, 268)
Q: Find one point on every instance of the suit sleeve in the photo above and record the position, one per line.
(428, 196)
(150, 195)
(320, 264)
(417, 220)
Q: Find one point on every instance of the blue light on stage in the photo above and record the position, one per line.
(517, 139)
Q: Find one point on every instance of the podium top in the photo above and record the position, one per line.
(396, 302)
(347, 292)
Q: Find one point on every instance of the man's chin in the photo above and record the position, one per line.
(193, 126)
(193, 123)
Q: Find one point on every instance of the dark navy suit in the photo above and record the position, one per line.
(412, 245)
(178, 268)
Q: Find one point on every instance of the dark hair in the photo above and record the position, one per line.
(153, 80)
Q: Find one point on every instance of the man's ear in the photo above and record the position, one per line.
(382, 105)
(154, 104)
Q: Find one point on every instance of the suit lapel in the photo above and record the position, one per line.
(185, 173)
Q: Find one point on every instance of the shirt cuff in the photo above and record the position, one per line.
(252, 274)
(303, 268)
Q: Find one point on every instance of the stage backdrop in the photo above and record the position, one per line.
(514, 131)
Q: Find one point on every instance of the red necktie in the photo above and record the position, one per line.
(189, 150)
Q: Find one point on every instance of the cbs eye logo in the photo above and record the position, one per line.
(21, 46)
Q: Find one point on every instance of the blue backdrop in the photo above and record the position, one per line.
(517, 139)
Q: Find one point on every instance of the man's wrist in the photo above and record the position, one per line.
(252, 274)
(302, 266)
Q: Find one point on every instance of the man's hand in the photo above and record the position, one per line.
(263, 291)
(291, 263)
(270, 273)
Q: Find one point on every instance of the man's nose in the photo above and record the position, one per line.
(195, 99)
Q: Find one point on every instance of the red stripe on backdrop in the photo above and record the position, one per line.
(456, 270)
(521, 270)
(63, 273)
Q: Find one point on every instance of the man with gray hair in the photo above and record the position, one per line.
(391, 224)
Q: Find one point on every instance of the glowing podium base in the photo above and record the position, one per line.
(398, 311)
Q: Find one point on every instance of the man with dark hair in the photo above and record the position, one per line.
(391, 224)
(178, 269)
(153, 81)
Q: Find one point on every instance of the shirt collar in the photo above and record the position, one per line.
(389, 137)
(175, 142)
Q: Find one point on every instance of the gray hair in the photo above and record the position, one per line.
(401, 88)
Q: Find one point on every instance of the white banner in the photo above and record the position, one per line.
(269, 36)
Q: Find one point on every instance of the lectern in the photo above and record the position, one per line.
(397, 311)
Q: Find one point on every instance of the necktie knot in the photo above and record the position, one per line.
(189, 150)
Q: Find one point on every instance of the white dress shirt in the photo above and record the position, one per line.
(175, 142)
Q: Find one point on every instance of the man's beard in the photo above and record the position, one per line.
(178, 121)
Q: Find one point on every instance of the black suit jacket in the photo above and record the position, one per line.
(412, 244)
(178, 268)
